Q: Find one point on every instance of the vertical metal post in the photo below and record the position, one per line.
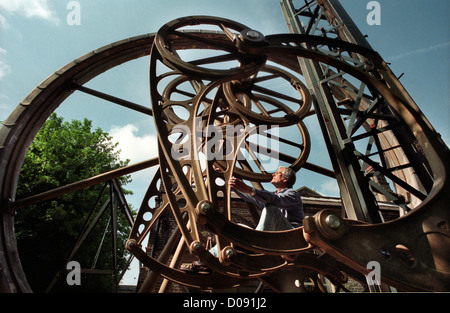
(359, 202)
(347, 29)
(114, 235)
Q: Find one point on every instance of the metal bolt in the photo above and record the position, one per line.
(252, 34)
(131, 244)
(229, 253)
(196, 245)
(333, 221)
(206, 206)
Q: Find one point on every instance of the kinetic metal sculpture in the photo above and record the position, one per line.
(204, 83)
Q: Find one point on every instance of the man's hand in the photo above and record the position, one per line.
(239, 185)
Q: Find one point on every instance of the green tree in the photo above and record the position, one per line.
(63, 153)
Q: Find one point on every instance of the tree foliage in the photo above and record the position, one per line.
(63, 153)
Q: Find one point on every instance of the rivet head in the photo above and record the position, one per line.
(206, 206)
(252, 37)
(229, 253)
(196, 245)
(333, 221)
(130, 244)
(252, 34)
(328, 224)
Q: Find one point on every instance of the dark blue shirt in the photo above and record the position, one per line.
(288, 201)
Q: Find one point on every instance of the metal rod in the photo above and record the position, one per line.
(83, 184)
(359, 202)
(114, 236)
(113, 99)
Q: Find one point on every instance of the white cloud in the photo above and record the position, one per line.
(329, 187)
(3, 22)
(28, 8)
(134, 147)
(4, 68)
(419, 51)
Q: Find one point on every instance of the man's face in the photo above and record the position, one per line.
(277, 178)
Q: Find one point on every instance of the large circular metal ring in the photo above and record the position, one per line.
(256, 100)
(196, 63)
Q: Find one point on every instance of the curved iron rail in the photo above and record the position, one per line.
(424, 232)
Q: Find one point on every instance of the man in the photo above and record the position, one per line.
(282, 209)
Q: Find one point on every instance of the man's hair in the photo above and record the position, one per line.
(289, 174)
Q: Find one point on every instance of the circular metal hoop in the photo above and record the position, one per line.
(22, 125)
(210, 66)
(224, 96)
(265, 106)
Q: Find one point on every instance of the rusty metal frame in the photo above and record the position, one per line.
(410, 249)
(21, 126)
(360, 203)
(116, 200)
(361, 63)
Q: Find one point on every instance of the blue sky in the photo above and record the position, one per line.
(36, 40)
